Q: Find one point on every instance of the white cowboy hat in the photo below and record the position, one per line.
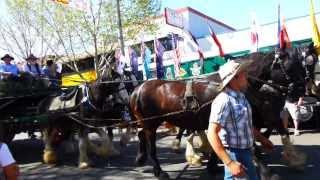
(228, 70)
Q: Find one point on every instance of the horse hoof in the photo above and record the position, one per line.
(141, 160)
(84, 165)
(196, 161)
(163, 176)
(189, 159)
(49, 157)
(275, 177)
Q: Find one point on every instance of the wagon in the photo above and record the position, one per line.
(21, 102)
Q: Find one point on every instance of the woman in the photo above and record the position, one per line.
(9, 168)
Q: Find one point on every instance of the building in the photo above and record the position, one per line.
(234, 42)
(194, 21)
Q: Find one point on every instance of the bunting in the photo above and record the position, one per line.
(159, 50)
(176, 54)
(215, 39)
(201, 56)
(254, 36)
(283, 37)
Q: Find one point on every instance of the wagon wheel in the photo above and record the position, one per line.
(6, 134)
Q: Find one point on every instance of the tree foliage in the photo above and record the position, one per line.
(46, 27)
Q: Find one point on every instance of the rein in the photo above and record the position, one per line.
(277, 86)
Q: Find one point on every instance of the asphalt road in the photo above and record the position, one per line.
(28, 154)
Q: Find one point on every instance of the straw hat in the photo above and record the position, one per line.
(228, 70)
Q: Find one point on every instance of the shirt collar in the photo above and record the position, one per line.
(233, 93)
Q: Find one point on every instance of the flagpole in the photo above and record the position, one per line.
(42, 9)
(120, 28)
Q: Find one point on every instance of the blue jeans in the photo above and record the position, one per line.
(245, 157)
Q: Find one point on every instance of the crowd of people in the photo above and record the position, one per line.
(11, 70)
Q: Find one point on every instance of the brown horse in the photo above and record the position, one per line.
(157, 101)
(158, 97)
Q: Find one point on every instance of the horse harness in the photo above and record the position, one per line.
(190, 101)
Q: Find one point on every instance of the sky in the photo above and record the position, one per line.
(237, 13)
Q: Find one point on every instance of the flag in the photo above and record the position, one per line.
(315, 30)
(283, 37)
(201, 56)
(134, 62)
(176, 54)
(254, 36)
(146, 56)
(159, 50)
(216, 40)
(62, 1)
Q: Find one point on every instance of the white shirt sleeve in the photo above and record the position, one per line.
(5, 156)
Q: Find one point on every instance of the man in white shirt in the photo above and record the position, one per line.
(10, 170)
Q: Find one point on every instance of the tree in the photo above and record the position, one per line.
(69, 32)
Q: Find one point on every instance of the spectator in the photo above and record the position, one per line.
(7, 69)
(120, 62)
(10, 170)
(33, 66)
(291, 108)
(50, 71)
(134, 62)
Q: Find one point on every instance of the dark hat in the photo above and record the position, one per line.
(31, 57)
(7, 56)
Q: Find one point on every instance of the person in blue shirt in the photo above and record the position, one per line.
(7, 69)
(32, 66)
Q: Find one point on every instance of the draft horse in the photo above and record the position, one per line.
(157, 97)
(98, 105)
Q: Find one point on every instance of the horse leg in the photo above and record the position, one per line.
(83, 148)
(106, 148)
(204, 143)
(142, 149)
(49, 153)
(125, 138)
(191, 157)
(110, 133)
(212, 166)
(151, 136)
(176, 142)
(296, 159)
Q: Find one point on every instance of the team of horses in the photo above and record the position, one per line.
(186, 104)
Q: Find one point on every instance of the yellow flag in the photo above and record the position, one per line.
(315, 30)
(63, 1)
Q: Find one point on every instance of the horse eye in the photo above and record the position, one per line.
(309, 60)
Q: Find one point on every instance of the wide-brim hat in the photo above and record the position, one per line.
(231, 68)
(31, 57)
(7, 56)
